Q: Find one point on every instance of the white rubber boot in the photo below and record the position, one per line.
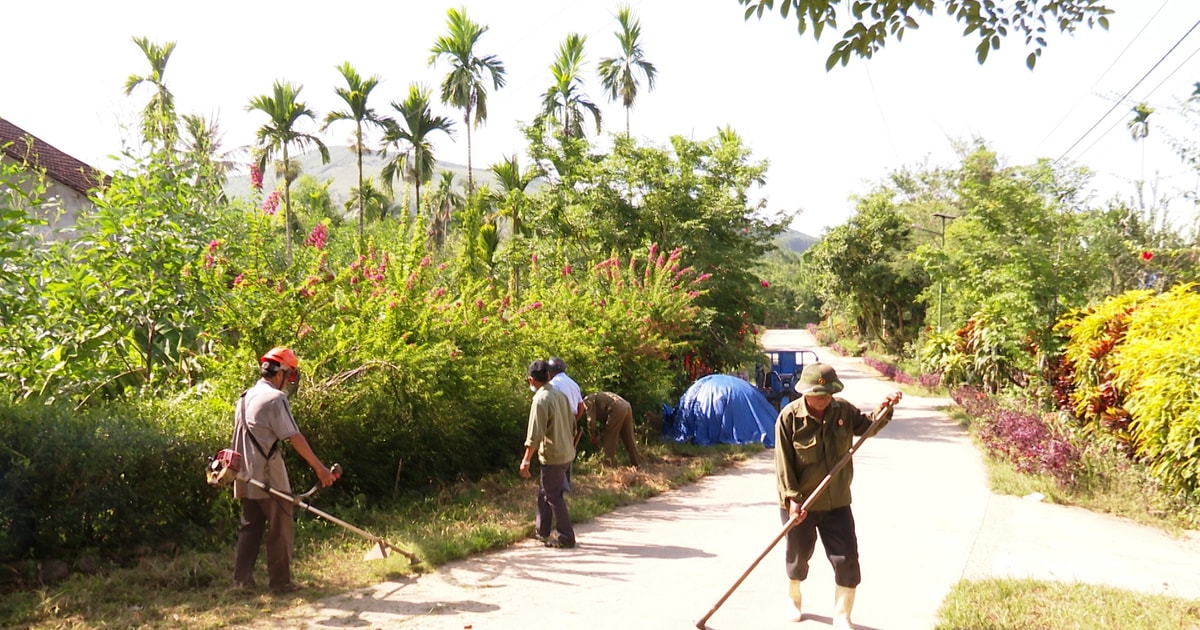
(793, 606)
(843, 603)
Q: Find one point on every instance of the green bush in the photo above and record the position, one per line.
(1133, 364)
(109, 478)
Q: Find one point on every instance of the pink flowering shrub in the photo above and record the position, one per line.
(256, 177)
(270, 205)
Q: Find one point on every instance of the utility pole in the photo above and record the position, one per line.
(941, 248)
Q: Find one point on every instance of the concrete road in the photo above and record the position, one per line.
(925, 521)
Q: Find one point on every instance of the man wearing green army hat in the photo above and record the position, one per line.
(812, 434)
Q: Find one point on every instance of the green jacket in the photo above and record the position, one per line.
(806, 449)
(551, 428)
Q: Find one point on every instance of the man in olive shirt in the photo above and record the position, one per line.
(812, 434)
(614, 415)
(551, 433)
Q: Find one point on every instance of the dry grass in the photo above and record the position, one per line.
(190, 588)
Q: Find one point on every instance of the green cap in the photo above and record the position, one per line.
(820, 379)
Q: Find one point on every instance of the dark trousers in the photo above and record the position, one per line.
(620, 425)
(837, 535)
(273, 516)
(552, 502)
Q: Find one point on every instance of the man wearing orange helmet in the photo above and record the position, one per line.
(262, 420)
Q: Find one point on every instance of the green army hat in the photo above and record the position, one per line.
(820, 379)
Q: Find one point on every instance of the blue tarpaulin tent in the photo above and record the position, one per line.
(722, 409)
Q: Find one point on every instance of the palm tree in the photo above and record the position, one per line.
(565, 101)
(284, 111)
(411, 134)
(512, 183)
(376, 201)
(443, 203)
(464, 87)
(201, 146)
(355, 95)
(618, 73)
(158, 118)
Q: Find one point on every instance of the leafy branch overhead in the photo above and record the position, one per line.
(877, 21)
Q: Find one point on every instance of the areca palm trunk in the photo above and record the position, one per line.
(417, 189)
(287, 202)
(361, 212)
(470, 175)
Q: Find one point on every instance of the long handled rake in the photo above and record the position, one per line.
(794, 521)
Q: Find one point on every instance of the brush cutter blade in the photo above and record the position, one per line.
(378, 551)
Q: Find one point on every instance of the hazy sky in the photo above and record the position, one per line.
(827, 136)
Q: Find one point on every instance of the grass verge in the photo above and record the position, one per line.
(1010, 604)
(1107, 482)
(191, 588)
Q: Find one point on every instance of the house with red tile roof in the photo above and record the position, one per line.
(68, 180)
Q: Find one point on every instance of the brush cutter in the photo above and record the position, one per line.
(794, 521)
(226, 467)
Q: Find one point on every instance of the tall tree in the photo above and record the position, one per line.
(158, 118)
(202, 149)
(874, 22)
(376, 201)
(618, 74)
(355, 96)
(443, 204)
(510, 200)
(411, 134)
(465, 87)
(284, 111)
(565, 101)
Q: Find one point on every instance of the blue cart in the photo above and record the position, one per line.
(777, 374)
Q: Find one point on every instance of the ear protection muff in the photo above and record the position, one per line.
(270, 368)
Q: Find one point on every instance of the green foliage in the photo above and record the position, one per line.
(1157, 365)
(122, 311)
(789, 301)
(875, 22)
(22, 194)
(1132, 365)
(694, 197)
(860, 269)
(114, 477)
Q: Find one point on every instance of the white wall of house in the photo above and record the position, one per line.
(61, 210)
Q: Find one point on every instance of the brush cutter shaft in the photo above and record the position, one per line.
(295, 500)
(794, 521)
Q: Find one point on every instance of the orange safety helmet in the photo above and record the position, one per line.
(285, 357)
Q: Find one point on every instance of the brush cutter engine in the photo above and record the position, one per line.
(224, 468)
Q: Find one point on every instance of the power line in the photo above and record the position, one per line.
(1102, 75)
(878, 105)
(1152, 91)
(1128, 92)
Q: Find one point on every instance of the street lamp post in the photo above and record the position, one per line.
(942, 248)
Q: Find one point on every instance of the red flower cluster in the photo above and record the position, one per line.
(256, 177)
(317, 237)
(1147, 256)
(209, 258)
(270, 205)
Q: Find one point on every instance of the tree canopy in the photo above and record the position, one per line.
(872, 23)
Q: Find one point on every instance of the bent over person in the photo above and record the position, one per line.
(550, 433)
(812, 434)
(614, 415)
(263, 420)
